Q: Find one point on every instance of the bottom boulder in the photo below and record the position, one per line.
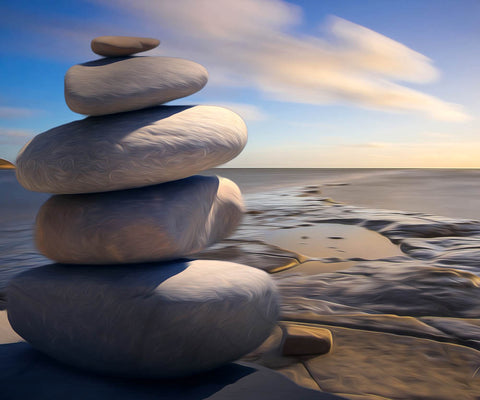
(144, 320)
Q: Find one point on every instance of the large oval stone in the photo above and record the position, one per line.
(151, 320)
(149, 224)
(114, 85)
(116, 46)
(130, 150)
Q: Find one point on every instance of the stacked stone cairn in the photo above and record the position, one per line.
(128, 208)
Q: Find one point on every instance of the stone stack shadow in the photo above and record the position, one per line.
(127, 210)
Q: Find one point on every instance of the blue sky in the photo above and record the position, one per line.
(319, 83)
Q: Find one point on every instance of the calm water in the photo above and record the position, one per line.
(451, 193)
(448, 192)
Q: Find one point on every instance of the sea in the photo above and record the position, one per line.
(453, 193)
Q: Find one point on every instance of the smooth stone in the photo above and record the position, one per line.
(302, 340)
(130, 150)
(117, 46)
(154, 223)
(114, 85)
(150, 320)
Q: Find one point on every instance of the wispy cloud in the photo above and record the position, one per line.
(15, 136)
(16, 112)
(249, 112)
(257, 44)
(389, 155)
(369, 145)
(253, 42)
(438, 135)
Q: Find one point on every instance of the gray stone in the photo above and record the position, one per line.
(114, 85)
(117, 46)
(153, 223)
(151, 320)
(130, 150)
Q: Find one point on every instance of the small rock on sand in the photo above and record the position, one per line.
(300, 340)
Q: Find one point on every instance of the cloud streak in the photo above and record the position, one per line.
(385, 155)
(248, 112)
(254, 43)
(16, 112)
(369, 145)
(15, 136)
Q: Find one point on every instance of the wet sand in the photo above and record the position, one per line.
(398, 290)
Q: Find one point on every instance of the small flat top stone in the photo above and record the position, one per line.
(118, 46)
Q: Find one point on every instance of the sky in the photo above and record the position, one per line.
(319, 83)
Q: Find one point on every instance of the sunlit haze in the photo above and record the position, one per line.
(319, 83)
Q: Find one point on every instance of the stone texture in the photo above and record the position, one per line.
(300, 340)
(130, 150)
(151, 320)
(114, 85)
(117, 46)
(153, 223)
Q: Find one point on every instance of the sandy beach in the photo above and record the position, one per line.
(398, 291)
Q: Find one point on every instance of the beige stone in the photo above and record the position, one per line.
(117, 46)
(302, 340)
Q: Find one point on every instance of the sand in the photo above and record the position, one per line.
(398, 290)
(4, 164)
(365, 363)
(7, 334)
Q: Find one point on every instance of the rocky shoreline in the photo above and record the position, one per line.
(402, 327)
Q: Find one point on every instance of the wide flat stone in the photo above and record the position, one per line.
(114, 85)
(148, 320)
(130, 150)
(117, 46)
(154, 223)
